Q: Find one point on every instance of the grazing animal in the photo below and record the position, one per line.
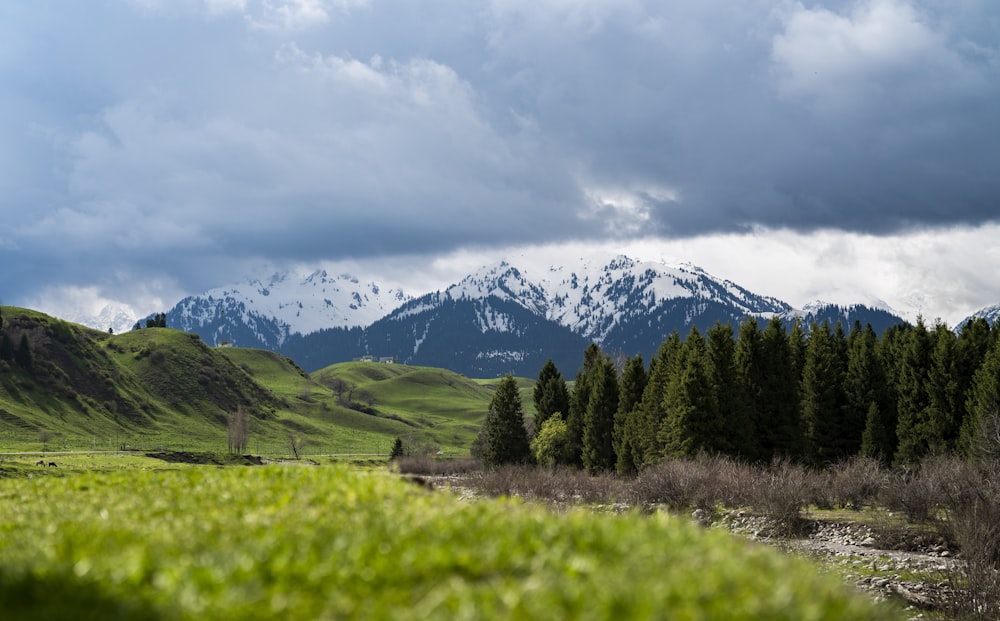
(52, 464)
(40, 463)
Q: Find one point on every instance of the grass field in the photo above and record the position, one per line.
(159, 388)
(333, 542)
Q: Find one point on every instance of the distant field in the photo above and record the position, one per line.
(332, 542)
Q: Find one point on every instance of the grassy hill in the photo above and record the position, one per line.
(163, 388)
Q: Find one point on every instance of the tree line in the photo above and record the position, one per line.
(816, 396)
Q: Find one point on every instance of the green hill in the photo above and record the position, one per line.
(163, 388)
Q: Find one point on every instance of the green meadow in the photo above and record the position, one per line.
(163, 389)
(155, 541)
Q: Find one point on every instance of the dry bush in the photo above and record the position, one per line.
(559, 484)
(681, 483)
(909, 492)
(431, 465)
(857, 482)
(782, 490)
(975, 527)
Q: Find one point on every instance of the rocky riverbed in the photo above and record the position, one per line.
(916, 567)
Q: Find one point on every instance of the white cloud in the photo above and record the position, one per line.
(838, 60)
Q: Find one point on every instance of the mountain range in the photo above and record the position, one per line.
(496, 320)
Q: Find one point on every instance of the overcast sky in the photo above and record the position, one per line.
(839, 149)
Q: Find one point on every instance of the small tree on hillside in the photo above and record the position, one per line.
(22, 356)
(503, 438)
(239, 431)
(6, 348)
(397, 449)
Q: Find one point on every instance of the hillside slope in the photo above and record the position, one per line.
(163, 388)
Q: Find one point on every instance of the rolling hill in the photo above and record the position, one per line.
(163, 388)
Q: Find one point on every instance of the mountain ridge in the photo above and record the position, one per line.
(494, 320)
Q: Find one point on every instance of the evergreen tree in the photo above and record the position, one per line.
(981, 429)
(971, 349)
(503, 438)
(599, 419)
(822, 398)
(22, 356)
(633, 383)
(737, 430)
(912, 426)
(779, 431)
(867, 401)
(649, 416)
(797, 343)
(692, 423)
(580, 399)
(550, 394)
(6, 348)
(397, 450)
(749, 372)
(945, 403)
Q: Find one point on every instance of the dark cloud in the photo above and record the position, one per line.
(177, 139)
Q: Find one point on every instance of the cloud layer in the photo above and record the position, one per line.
(179, 142)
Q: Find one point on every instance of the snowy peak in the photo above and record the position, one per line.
(597, 299)
(287, 303)
(502, 281)
(990, 313)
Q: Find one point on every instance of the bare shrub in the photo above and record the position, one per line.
(782, 490)
(976, 582)
(910, 493)
(433, 466)
(558, 484)
(680, 483)
(857, 482)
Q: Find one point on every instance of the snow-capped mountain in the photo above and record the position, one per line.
(496, 320)
(499, 319)
(990, 314)
(879, 315)
(264, 313)
(115, 317)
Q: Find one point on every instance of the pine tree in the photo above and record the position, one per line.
(6, 348)
(749, 369)
(981, 428)
(633, 383)
(822, 398)
(797, 343)
(580, 399)
(22, 355)
(397, 450)
(646, 448)
(867, 400)
(945, 403)
(737, 430)
(550, 394)
(599, 419)
(692, 423)
(778, 426)
(970, 352)
(913, 399)
(503, 438)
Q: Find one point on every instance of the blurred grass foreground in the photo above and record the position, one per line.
(332, 542)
